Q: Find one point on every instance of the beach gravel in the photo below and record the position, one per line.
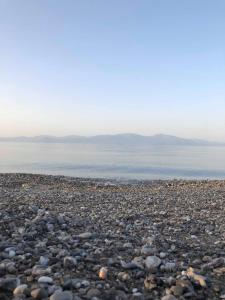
(64, 238)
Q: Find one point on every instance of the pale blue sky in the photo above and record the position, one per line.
(112, 66)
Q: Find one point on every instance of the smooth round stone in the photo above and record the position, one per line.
(19, 290)
(152, 262)
(45, 279)
(66, 295)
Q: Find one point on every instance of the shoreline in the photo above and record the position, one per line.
(58, 232)
(109, 179)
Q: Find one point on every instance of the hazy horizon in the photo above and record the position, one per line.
(111, 67)
(159, 136)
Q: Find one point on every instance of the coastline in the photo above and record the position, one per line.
(79, 225)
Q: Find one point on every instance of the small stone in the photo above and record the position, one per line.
(69, 262)
(93, 293)
(152, 262)
(44, 261)
(177, 290)
(127, 246)
(162, 255)
(39, 293)
(170, 266)
(85, 235)
(12, 253)
(148, 250)
(45, 279)
(50, 227)
(150, 282)
(84, 283)
(103, 273)
(40, 271)
(19, 290)
(65, 295)
(123, 276)
(138, 262)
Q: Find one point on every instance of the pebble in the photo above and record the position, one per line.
(93, 293)
(170, 266)
(19, 290)
(65, 295)
(45, 279)
(12, 253)
(152, 262)
(103, 273)
(44, 261)
(148, 250)
(69, 262)
(85, 235)
(39, 293)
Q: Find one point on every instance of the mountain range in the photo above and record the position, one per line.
(116, 139)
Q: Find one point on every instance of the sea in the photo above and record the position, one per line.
(112, 161)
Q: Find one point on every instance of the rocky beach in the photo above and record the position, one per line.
(64, 238)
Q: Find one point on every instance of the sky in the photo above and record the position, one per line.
(118, 66)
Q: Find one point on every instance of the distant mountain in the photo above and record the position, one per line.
(117, 139)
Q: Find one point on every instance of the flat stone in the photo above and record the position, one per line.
(85, 235)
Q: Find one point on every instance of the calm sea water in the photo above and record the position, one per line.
(82, 160)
